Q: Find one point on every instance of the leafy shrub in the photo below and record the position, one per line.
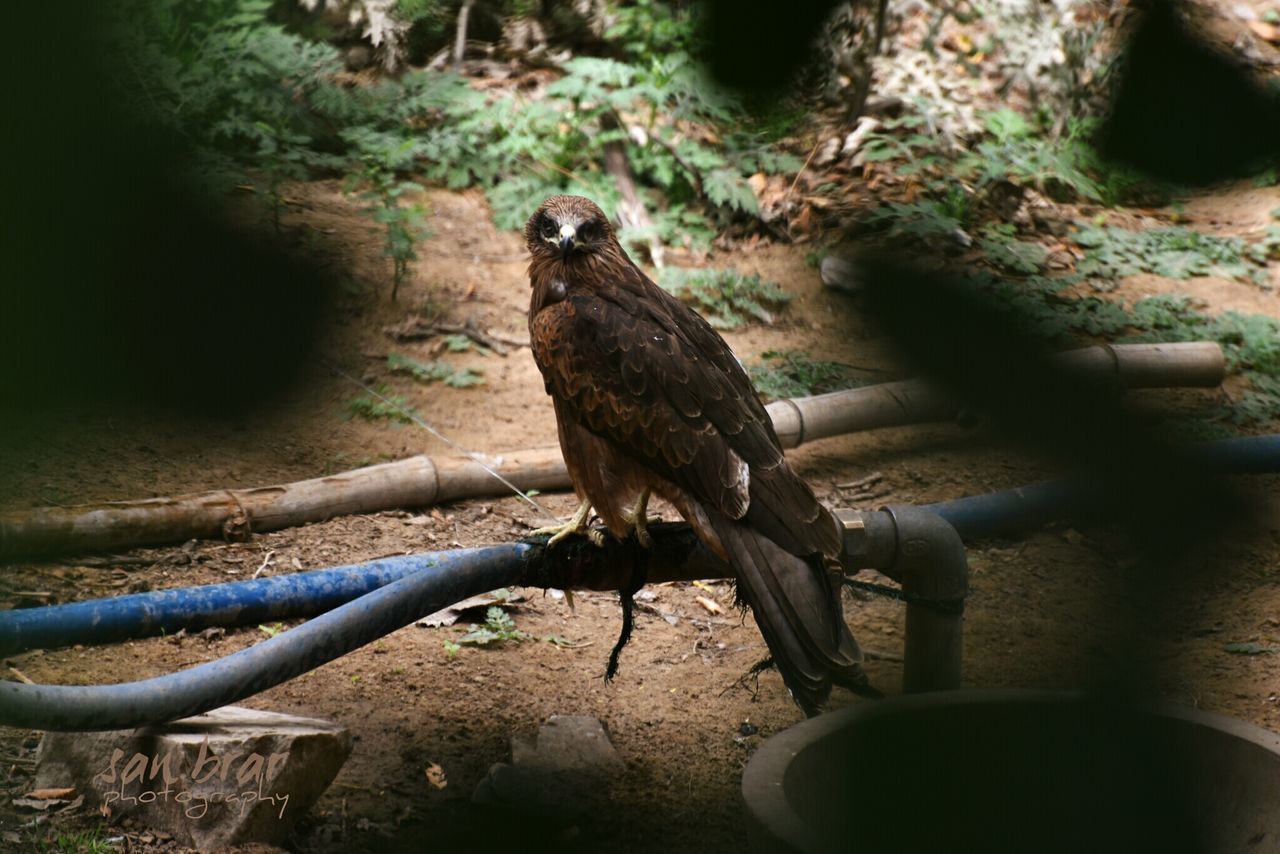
(726, 298)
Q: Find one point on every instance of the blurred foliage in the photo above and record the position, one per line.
(261, 104)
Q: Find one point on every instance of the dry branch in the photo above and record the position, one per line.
(631, 209)
(423, 481)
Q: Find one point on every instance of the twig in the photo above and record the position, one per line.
(266, 561)
(460, 38)
(807, 161)
(862, 481)
(413, 329)
(880, 655)
(113, 561)
(22, 677)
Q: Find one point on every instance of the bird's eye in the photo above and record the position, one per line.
(549, 229)
(589, 231)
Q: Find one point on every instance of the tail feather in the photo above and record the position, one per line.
(799, 614)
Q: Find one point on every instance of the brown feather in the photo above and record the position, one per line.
(648, 395)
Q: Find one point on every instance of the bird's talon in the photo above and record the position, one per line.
(596, 536)
(576, 525)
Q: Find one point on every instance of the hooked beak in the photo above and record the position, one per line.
(567, 233)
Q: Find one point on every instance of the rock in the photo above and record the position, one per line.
(839, 273)
(230, 777)
(853, 142)
(358, 57)
(560, 773)
(827, 153)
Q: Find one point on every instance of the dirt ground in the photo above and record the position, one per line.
(1066, 606)
(1044, 610)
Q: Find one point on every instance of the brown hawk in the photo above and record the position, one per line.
(649, 399)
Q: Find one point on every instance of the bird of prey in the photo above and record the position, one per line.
(649, 399)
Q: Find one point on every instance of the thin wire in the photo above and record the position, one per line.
(416, 419)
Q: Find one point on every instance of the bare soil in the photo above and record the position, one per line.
(1055, 609)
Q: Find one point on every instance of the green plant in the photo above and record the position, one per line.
(461, 344)
(1014, 151)
(1268, 248)
(1004, 250)
(271, 631)
(434, 371)
(922, 220)
(381, 156)
(814, 257)
(382, 407)
(234, 86)
(792, 373)
(92, 841)
(919, 150)
(498, 628)
(1175, 252)
(726, 298)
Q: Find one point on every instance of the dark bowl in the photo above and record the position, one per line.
(1016, 771)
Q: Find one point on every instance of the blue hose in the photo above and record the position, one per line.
(270, 662)
(239, 603)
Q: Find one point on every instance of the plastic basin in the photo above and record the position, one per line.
(1015, 771)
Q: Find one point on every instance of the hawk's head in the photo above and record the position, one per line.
(565, 226)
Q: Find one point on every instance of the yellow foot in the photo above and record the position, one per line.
(640, 520)
(576, 525)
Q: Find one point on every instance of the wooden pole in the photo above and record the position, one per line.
(423, 481)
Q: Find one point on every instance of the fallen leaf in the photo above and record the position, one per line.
(449, 616)
(33, 803)
(435, 776)
(51, 794)
(712, 606)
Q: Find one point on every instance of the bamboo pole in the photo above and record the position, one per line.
(1182, 364)
(423, 481)
(234, 514)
